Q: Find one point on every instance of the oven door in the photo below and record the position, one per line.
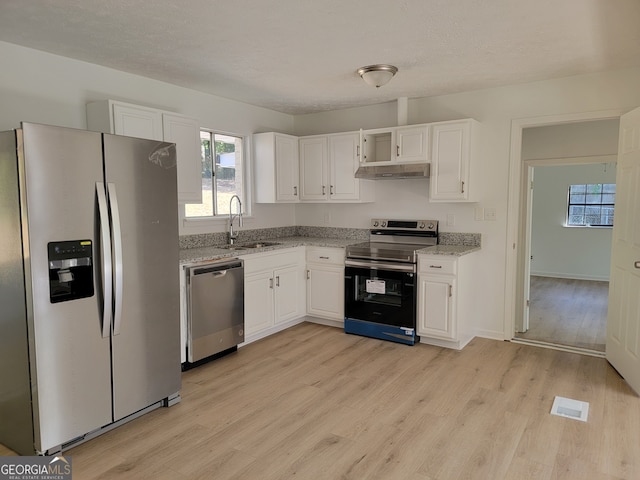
(381, 292)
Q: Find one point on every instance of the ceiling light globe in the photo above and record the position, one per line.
(377, 75)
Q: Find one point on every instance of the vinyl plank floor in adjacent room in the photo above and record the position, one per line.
(568, 312)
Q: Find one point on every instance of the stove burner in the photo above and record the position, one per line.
(396, 240)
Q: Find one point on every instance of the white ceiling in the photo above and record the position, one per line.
(300, 56)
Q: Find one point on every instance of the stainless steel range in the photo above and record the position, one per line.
(380, 279)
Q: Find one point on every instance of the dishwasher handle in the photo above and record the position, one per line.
(218, 269)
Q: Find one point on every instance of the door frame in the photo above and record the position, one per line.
(518, 247)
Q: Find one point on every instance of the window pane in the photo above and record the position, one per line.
(228, 154)
(609, 198)
(577, 198)
(594, 188)
(607, 215)
(204, 209)
(593, 198)
(609, 188)
(576, 215)
(578, 189)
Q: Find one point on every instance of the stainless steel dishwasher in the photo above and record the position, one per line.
(215, 303)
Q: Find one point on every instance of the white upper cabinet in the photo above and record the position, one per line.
(185, 133)
(314, 169)
(453, 161)
(143, 122)
(408, 144)
(412, 144)
(343, 163)
(276, 169)
(327, 169)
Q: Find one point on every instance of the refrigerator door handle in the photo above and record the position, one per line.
(105, 251)
(117, 257)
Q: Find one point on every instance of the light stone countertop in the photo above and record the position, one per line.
(451, 250)
(191, 256)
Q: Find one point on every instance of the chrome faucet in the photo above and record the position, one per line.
(234, 235)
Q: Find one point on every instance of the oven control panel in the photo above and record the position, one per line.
(405, 225)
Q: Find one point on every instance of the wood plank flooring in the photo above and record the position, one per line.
(313, 403)
(568, 312)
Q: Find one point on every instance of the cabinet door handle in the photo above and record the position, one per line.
(295, 191)
(463, 186)
(308, 274)
(271, 283)
(324, 189)
(397, 150)
(331, 189)
(277, 280)
(435, 266)
(324, 258)
(357, 150)
(451, 290)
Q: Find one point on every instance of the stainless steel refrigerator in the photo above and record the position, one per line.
(89, 286)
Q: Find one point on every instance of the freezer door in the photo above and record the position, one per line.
(16, 424)
(69, 357)
(142, 191)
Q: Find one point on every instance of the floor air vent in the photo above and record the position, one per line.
(569, 408)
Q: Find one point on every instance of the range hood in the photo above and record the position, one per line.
(403, 170)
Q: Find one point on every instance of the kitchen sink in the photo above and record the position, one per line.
(250, 246)
(258, 244)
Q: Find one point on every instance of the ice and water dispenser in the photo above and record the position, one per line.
(70, 270)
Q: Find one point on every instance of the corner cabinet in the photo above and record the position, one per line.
(445, 300)
(453, 161)
(276, 169)
(121, 118)
(327, 169)
(325, 283)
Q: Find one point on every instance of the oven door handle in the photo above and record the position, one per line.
(375, 265)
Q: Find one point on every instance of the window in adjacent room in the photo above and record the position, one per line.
(222, 174)
(591, 205)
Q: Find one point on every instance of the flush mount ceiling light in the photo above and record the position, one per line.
(377, 75)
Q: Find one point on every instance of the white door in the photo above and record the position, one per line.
(344, 162)
(623, 322)
(313, 169)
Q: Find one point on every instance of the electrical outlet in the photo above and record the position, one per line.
(479, 214)
(451, 220)
(327, 218)
(490, 214)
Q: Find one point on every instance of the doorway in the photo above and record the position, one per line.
(562, 271)
(570, 249)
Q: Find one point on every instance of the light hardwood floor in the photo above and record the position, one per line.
(568, 312)
(313, 403)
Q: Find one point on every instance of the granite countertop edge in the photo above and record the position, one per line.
(194, 256)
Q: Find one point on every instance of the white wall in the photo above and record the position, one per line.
(43, 88)
(567, 252)
(599, 137)
(495, 108)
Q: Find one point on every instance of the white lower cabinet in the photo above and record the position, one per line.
(445, 300)
(274, 294)
(325, 283)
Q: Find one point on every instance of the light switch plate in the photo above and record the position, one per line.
(479, 214)
(490, 214)
(451, 220)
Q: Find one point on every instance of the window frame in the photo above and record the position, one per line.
(585, 205)
(204, 224)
